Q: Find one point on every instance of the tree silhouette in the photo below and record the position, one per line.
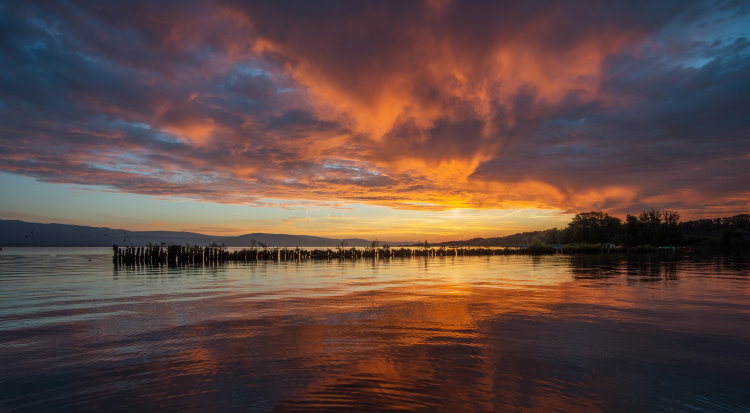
(594, 227)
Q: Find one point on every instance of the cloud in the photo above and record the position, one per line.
(432, 105)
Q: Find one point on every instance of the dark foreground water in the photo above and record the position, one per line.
(556, 333)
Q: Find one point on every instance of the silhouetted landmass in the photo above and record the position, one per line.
(27, 234)
(587, 231)
(650, 229)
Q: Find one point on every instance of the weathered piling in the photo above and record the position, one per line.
(175, 255)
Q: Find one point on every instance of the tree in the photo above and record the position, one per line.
(553, 236)
(650, 221)
(671, 233)
(594, 227)
(633, 231)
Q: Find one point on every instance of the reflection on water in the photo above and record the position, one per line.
(515, 333)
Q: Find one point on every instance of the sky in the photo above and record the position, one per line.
(410, 120)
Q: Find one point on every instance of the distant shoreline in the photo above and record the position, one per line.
(586, 232)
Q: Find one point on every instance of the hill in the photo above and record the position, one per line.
(514, 240)
(15, 233)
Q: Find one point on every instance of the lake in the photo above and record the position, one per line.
(458, 334)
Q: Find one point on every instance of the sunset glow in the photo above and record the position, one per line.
(430, 120)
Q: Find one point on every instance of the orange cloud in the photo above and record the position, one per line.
(430, 106)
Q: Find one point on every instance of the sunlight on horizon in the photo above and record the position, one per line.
(99, 207)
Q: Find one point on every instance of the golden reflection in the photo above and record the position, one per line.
(474, 333)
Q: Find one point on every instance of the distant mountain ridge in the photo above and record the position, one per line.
(521, 238)
(15, 233)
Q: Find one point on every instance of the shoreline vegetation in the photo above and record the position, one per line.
(653, 231)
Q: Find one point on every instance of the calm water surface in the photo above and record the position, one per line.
(517, 333)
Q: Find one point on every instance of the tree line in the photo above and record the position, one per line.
(653, 227)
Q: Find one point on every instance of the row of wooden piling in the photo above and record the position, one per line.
(173, 255)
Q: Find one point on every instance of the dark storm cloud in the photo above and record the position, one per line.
(615, 105)
(682, 131)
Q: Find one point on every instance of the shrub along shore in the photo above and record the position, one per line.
(647, 231)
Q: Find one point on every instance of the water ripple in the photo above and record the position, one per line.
(516, 333)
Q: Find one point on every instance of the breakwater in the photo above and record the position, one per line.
(174, 255)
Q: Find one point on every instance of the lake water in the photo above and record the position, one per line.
(459, 334)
